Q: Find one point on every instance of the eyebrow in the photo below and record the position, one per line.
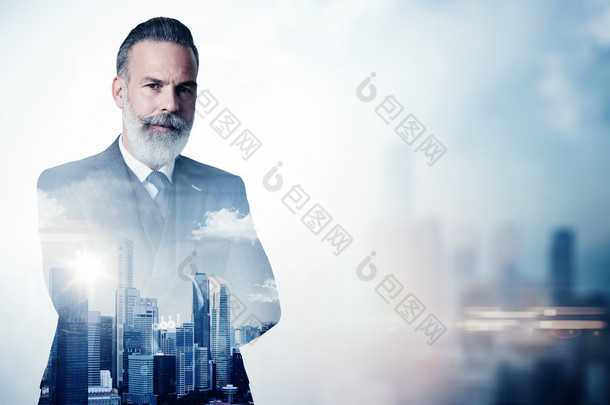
(147, 79)
(191, 83)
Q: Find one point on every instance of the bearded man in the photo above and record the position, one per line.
(151, 258)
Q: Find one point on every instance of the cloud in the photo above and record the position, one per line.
(227, 224)
(267, 293)
(49, 208)
(599, 27)
(269, 283)
(563, 98)
(264, 297)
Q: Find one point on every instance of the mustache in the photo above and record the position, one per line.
(166, 120)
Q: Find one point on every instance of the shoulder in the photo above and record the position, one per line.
(223, 189)
(76, 171)
(65, 174)
(195, 170)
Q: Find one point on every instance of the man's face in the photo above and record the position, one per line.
(158, 102)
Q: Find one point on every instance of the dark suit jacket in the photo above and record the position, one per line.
(92, 204)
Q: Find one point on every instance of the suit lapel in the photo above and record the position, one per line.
(191, 193)
(128, 203)
(129, 207)
(188, 204)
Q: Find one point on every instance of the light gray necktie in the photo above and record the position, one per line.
(163, 198)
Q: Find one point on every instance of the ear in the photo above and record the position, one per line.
(118, 87)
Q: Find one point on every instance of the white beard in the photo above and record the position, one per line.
(151, 147)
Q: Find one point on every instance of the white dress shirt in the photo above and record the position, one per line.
(142, 171)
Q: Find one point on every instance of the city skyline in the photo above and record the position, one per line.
(139, 335)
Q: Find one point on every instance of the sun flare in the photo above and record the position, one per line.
(88, 267)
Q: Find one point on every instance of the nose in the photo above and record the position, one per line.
(169, 102)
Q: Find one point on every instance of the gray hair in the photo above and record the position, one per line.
(159, 29)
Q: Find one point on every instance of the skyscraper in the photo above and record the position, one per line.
(105, 379)
(164, 376)
(125, 265)
(140, 370)
(507, 257)
(201, 368)
(239, 378)
(69, 363)
(145, 315)
(266, 326)
(222, 336)
(185, 377)
(201, 310)
(562, 266)
(125, 280)
(106, 347)
(132, 300)
(167, 342)
(131, 345)
(104, 394)
(248, 333)
(507, 254)
(93, 356)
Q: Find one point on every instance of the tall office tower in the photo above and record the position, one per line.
(201, 368)
(69, 362)
(125, 280)
(106, 347)
(248, 333)
(104, 394)
(105, 379)
(145, 315)
(93, 356)
(125, 263)
(167, 341)
(181, 374)
(562, 266)
(132, 300)
(132, 345)
(239, 378)
(201, 309)
(185, 377)
(265, 326)
(214, 327)
(237, 339)
(507, 253)
(222, 337)
(48, 386)
(115, 346)
(164, 377)
(507, 259)
(140, 370)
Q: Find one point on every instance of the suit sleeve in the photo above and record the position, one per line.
(60, 223)
(255, 288)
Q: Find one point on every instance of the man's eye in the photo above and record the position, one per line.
(185, 90)
(153, 85)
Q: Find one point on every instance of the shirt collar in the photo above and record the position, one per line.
(140, 169)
